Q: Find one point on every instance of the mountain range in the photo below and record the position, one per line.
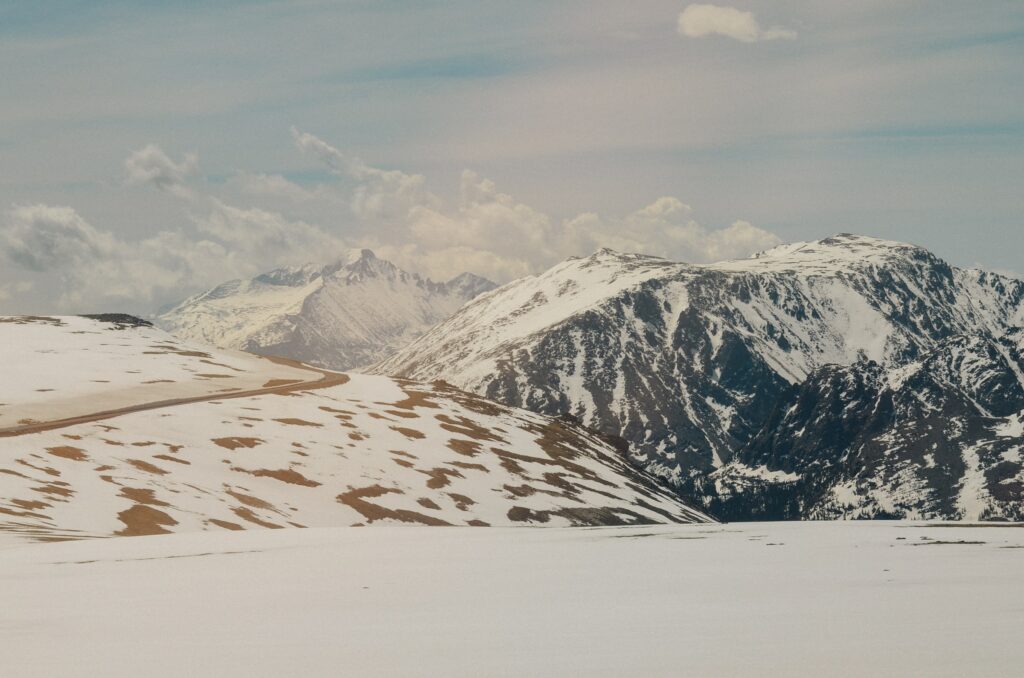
(847, 377)
(342, 316)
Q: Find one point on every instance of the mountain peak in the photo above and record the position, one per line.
(828, 255)
(355, 256)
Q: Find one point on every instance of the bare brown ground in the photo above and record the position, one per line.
(410, 433)
(66, 452)
(414, 399)
(468, 428)
(147, 467)
(439, 477)
(224, 524)
(141, 520)
(167, 457)
(234, 442)
(462, 502)
(469, 466)
(142, 496)
(248, 516)
(467, 448)
(357, 499)
(292, 421)
(286, 475)
(249, 500)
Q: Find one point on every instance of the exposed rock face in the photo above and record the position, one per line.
(710, 372)
(342, 316)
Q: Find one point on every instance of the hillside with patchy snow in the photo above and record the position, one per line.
(691, 363)
(341, 316)
(158, 435)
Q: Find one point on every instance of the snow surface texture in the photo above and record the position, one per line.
(365, 450)
(797, 599)
(342, 316)
(690, 363)
(66, 366)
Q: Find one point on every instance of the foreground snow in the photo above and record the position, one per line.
(769, 599)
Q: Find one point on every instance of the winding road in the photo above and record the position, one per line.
(327, 379)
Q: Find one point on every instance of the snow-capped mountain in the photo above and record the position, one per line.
(156, 435)
(690, 363)
(342, 316)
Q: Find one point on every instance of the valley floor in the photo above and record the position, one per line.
(760, 599)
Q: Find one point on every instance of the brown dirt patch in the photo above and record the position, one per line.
(439, 477)
(235, 442)
(467, 448)
(142, 496)
(467, 465)
(414, 399)
(167, 457)
(225, 524)
(30, 504)
(248, 516)
(467, 428)
(462, 502)
(291, 421)
(66, 452)
(141, 520)
(146, 466)
(410, 433)
(521, 514)
(285, 475)
(428, 503)
(357, 499)
(403, 454)
(249, 500)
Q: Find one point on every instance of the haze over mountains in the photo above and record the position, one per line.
(344, 315)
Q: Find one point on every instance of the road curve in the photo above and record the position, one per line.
(327, 379)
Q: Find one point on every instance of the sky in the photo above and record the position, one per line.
(150, 150)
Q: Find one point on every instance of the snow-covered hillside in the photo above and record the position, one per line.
(882, 599)
(278, 445)
(688, 363)
(342, 316)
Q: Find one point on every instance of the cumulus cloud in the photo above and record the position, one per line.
(150, 165)
(484, 231)
(699, 20)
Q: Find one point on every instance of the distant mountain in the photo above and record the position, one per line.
(717, 375)
(342, 316)
(112, 429)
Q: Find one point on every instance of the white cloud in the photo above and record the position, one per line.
(699, 20)
(11, 290)
(150, 165)
(485, 231)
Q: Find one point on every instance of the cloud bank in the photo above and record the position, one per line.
(698, 21)
(484, 231)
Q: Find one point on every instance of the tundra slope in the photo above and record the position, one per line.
(267, 449)
(341, 316)
(690, 364)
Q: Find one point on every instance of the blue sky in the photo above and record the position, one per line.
(795, 120)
